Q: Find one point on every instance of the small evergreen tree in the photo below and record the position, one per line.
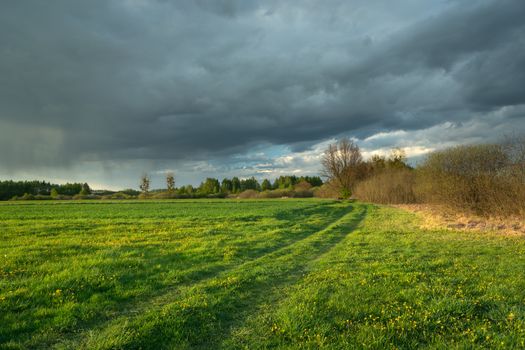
(266, 185)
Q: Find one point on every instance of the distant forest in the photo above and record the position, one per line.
(34, 189)
(291, 186)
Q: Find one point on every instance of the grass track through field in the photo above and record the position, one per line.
(232, 295)
(82, 233)
(132, 309)
(392, 286)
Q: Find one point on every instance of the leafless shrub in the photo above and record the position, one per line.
(278, 193)
(248, 194)
(388, 187)
(327, 190)
(303, 190)
(485, 179)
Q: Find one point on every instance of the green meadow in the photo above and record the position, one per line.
(251, 274)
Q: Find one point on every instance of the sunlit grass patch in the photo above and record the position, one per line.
(252, 274)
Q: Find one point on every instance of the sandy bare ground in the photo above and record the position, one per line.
(438, 217)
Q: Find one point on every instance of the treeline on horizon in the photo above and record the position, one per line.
(485, 179)
(283, 186)
(35, 189)
(237, 186)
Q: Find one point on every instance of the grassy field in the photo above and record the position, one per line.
(251, 274)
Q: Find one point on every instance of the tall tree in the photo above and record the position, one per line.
(85, 190)
(236, 185)
(266, 185)
(226, 186)
(210, 186)
(343, 165)
(250, 184)
(170, 181)
(144, 183)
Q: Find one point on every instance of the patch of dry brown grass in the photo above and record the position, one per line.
(439, 217)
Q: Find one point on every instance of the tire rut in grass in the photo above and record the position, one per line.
(133, 309)
(204, 314)
(266, 311)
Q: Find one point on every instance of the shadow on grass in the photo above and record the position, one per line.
(193, 271)
(205, 315)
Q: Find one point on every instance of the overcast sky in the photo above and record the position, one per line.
(102, 91)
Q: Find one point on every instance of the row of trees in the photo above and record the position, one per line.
(487, 179)
(42, 189)
(213, 187)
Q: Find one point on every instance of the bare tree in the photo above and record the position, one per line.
(514, 146)
(170, 182)
(343, 165)
(144, 183)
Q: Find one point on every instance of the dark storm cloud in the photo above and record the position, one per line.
(481, 48)
(124, 80)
